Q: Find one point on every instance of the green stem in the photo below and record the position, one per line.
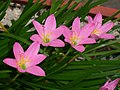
(74, 57)
(3, 27)
(69, 50)
(18, 74)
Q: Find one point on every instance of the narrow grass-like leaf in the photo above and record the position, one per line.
(100, 45)
(4, 10)
(16, 37)
(27, 6)
(104, 53)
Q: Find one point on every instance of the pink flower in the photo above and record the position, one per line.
(79, 36)
(48, 34)
(100, 30)
(27, 61)
(110, 85)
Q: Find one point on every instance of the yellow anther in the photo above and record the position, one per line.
(96, 32)
(46, 38)
(22, 62)
(74, 39)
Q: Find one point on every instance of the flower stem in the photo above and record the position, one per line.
(66, 54)
(18, 74)
(74, 57)
(3, 27)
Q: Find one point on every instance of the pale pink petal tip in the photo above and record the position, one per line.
(17, 49)
(57, 43)
(90, 20)
(50, 23)
(98, 18)
(35, 70)
(79, 48)
(106, 27)
(10, 62)
(35, 37)
(32, 49)
(107, 36)
(76, 25)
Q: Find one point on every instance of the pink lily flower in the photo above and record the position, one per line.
(79, 36)
(100, 30)
(110, 85)
(48, 34)
(27, 61)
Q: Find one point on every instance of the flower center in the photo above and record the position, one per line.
(74, 39)
(96, 32)
(22, 62)
(46, 38)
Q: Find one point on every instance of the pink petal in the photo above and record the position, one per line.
(45, 44)
(36, 38)
(35, 70)
(96, 37)
(107, 82)
(98, 18)
(50, 23)
(87, 30)
(79, 48)
(76, 25)
(67, 33)
(106, 27)
(57, 32)
(57, 43)
(17, 49)
(10, 62)
(107, 36)
(37, 59)
(33, 49)
(90, 20)
(88, 41)
(110, 85)
(98, 25)
(38, 27)
(67, 40)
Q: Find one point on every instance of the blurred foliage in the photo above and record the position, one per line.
(87, 74)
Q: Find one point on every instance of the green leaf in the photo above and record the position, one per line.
(65, 15)
(62, 9)
(100, 45)
(76, 81)
(46, 86)
(16, 37)
(5, 8)
(5, 71)
(55, 5)
(104, 53)
(4, 75)
(27, 6)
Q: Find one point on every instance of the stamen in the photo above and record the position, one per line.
(22, 62)
(74, 39)
(46, 38)
(97, 32)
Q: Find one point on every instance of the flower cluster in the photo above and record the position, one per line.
(48, 35)
(77, 36)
